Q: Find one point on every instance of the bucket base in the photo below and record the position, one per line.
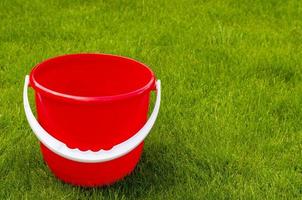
(91, 174)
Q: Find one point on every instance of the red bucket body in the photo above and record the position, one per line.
(92, 102)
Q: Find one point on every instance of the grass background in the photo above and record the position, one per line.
(230, 122)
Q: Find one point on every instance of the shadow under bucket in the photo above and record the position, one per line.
(92, 115)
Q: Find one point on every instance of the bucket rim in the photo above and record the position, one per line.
(150, 85)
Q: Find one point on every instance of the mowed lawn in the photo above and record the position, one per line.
(230, 124)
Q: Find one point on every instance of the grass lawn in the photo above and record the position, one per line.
(230, 121)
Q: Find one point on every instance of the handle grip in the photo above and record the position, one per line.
(89, 156)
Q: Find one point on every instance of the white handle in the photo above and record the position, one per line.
(89, 156)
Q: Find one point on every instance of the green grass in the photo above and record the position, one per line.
(230, 121)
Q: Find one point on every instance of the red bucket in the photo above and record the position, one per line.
(92, 115)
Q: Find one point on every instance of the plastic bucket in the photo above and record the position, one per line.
(92, 115)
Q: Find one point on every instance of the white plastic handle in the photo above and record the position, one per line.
(89, 156)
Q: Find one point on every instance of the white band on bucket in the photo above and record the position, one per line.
(89, 156)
